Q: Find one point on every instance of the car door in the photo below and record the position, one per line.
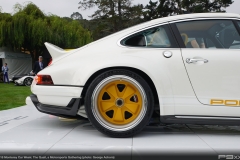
(212, 60)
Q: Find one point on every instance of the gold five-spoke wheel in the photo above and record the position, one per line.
(118, 103)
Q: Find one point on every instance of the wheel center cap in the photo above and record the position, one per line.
(119, 102)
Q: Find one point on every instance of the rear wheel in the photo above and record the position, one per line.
(28, 81)
(119, 103)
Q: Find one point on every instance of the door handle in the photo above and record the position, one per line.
(193, 60)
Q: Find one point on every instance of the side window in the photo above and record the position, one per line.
(210, 44)
(209, 34)
(236, 43)
(157, 37)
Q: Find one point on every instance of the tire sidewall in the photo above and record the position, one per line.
(25, 81)
(149, 105)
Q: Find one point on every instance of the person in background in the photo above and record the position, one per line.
(5, 73)
(39, 65)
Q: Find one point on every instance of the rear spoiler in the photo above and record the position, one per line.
(55, 51)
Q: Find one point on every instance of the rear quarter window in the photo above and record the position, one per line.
(157, 37)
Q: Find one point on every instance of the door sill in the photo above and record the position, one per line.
(207, 120)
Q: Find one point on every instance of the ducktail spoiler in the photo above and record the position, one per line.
(55, 51)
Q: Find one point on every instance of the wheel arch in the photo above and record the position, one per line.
(28, 77)
(141, 73)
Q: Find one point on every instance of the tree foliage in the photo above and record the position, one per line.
(111, 15)
(163, 8)
(114, 15)
(29, 28)
(76, 16)
(201, 6)
(158, 9)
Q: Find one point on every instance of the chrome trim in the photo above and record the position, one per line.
(116, 102)
(196, 117)
(193, 60)
(145, 40)
(204, 18)
(167, 54)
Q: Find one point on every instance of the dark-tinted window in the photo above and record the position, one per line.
(157, 37)
(137, 40)
(209, 34)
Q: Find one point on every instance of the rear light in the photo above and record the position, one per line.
(43, 80)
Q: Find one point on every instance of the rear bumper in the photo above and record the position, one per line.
(70, 111)
(56, 95)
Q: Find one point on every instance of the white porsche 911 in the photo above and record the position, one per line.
(186, 68)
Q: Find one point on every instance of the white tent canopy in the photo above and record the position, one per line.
(18, 63)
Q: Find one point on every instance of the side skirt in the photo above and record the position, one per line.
(203, 120)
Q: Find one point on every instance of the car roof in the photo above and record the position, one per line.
(196, 15)
(130, 30)
(182, 17)
(187, 16)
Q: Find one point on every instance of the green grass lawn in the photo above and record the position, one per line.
(13, 96)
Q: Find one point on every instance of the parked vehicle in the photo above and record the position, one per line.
(25, 80)
(183, 67)
(16, 77)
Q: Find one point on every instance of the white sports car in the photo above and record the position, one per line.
(25, 80)
(186, 68)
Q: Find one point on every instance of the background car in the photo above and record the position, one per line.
(184, 69)
(16, 77)
(25, 80)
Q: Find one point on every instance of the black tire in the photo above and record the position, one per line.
(27, 81)
(145, 112)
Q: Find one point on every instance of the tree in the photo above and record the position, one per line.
(200, 6)
(110, 10)
(76, 16)
(151, 11)
(163, 8)
(112, 15)
(158, 9)
(28, 28)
